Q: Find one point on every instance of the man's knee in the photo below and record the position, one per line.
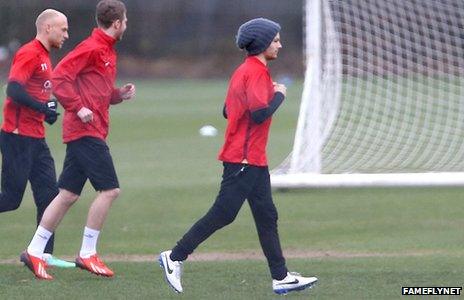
(66, 197)
(15, 205)
(222, 216)
(9, 206)
(266, 217)
(8, 203)
(44, 197)
(113, 193)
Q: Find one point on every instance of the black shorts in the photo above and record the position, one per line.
(88, 157)
(26, 159)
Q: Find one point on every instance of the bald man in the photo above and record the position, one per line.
(25, 154)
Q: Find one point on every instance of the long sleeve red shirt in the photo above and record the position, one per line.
(250, 89)
(31, 67)
(85, 77)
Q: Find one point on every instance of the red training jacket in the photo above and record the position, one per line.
(250, 89)
(31, 67)
(85, 78)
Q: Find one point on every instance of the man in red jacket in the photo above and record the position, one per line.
(84, 83)
(251, 101)
(25, 153)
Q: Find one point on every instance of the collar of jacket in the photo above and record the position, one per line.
(101, 36)
(40, 45)
(253, 59)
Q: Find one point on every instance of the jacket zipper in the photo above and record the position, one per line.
(18, 113)
(247, 138)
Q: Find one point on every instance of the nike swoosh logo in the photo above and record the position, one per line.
(293, 282)
(167, 265)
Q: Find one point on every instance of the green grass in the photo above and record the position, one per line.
(359, 278)
(169, 177)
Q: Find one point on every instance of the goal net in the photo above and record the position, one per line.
(383, 97)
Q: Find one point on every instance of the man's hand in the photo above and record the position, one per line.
(127, 91)
(85, 114)
(51, 117)
(278, 87)
(50, 112)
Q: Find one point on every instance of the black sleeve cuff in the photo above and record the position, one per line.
(261, 115)
(19, 95)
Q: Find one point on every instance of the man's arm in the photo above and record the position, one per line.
(18, 94)
(115, 97)
(126, 92)
(64, 79)
(259, 105)
(261, 115)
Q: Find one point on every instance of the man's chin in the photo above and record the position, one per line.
(272, 57)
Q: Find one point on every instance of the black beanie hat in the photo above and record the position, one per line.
(256, 35)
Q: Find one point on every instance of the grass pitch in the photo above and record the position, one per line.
(361, 243)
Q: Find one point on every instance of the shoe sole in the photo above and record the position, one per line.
(82, 266)
(161, 263)
(300, 288)
(23, 258)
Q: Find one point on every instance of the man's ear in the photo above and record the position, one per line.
(117, 24)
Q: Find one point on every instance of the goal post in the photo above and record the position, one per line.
(383, 95)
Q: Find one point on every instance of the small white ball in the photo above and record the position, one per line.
(208, 130)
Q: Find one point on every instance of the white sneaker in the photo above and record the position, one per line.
(172, 270)
(292, 282)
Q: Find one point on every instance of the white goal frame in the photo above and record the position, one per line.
(310, 130)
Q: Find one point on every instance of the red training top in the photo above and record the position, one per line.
(250, 89)
(31, 68)
(85, 77)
